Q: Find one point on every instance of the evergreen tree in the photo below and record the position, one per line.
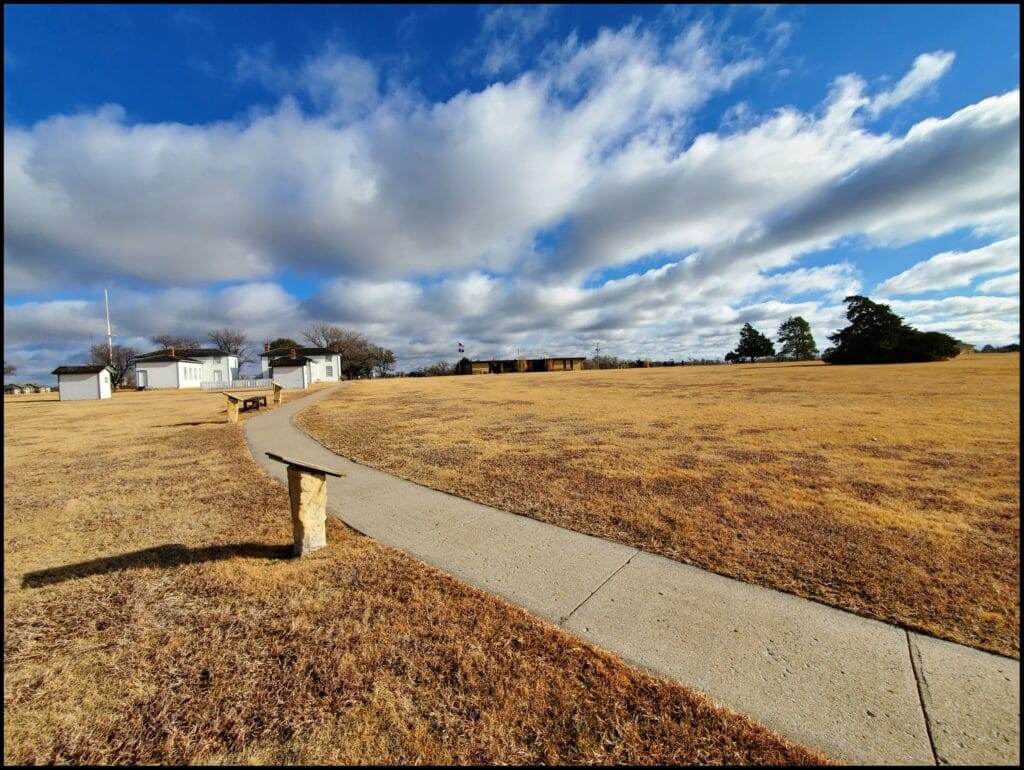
(752, 344)
(796, 340)
(876, 335)
(283, 342)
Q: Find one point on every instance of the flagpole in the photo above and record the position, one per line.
(110, 337)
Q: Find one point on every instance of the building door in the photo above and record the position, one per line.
(142, 378)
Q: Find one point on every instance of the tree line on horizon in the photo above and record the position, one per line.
(875, 335)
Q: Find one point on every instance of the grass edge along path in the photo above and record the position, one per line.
(151, 616)
(890, 492)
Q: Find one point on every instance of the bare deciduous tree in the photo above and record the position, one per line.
(121, 363)
(171, 341)
(383, 360)
(357, 354)
(441, 368)
(597, 361)
(234, 343)
(9, 369)
(321, 335)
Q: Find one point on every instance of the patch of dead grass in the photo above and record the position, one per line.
(889, 491)
(149, 617)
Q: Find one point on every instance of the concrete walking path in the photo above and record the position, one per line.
(859, 690)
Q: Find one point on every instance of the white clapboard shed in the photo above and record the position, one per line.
(81, 383)
(292, 371)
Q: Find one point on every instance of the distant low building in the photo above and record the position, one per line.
(83, 383)
(514, 365)
(965, 349)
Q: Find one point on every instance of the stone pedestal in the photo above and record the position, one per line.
(278, 390)
(307, 490)
(233, 405)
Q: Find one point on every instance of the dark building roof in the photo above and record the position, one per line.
(160, 359)
(288, 361)
(187, 353)
(299, 351)
(90, 369)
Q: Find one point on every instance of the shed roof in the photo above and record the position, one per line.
(287, 361)
(158, 359)
(186, 353)
(300, 351)
(85, 369)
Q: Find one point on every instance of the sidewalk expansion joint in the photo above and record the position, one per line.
(604, 582)
(922, 686)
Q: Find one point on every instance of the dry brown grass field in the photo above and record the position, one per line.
(890, 491)
(152, 615)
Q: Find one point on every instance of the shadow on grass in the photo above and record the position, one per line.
(789, 365)
(172, 555)
(188, 424)
(33, 402)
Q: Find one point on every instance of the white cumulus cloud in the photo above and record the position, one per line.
(954, 268)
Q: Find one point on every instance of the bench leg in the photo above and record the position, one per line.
(307, 491)
(232, 411)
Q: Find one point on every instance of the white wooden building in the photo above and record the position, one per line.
(323, 365)
(291, 371)
(184, 368)
(82, 383)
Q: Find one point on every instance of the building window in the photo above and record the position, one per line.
(330, 371)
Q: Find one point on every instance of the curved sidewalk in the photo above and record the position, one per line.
(859, 690)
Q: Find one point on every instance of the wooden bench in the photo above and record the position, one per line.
(307, 492)
(244, 404)
(253, 402)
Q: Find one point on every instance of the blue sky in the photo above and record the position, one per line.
(540, 178)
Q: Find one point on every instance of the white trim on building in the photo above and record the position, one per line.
(185, 368)
(323, 365)
(83, 385)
